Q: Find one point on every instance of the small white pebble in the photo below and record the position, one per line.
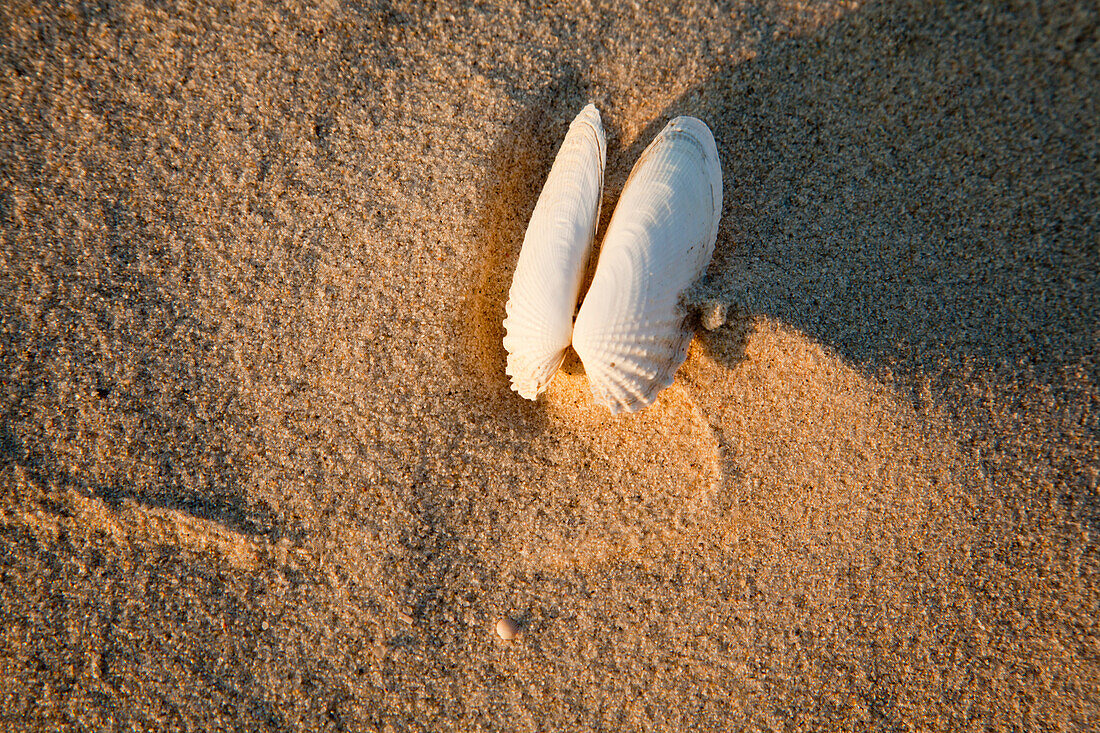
(713, 315)
(507, 629)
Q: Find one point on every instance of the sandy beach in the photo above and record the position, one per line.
(261, 468)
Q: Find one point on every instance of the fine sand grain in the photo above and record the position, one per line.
(261, 468)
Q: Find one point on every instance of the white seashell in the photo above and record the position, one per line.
(557, 245)
(507, 629)
(631, 333)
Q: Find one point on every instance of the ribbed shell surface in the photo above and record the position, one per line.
(556, 247)
(631, 333)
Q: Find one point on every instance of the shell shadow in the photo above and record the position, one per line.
(908, 215)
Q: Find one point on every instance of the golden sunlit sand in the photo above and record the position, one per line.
(262, 468)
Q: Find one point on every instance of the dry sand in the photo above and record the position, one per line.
(261, 468)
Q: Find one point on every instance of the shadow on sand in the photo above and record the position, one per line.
(937, 210)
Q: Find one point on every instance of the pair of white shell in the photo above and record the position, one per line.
(630, 332)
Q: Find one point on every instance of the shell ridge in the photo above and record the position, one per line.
(626, 393)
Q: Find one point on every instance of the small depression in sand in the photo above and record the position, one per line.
(628, 487)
